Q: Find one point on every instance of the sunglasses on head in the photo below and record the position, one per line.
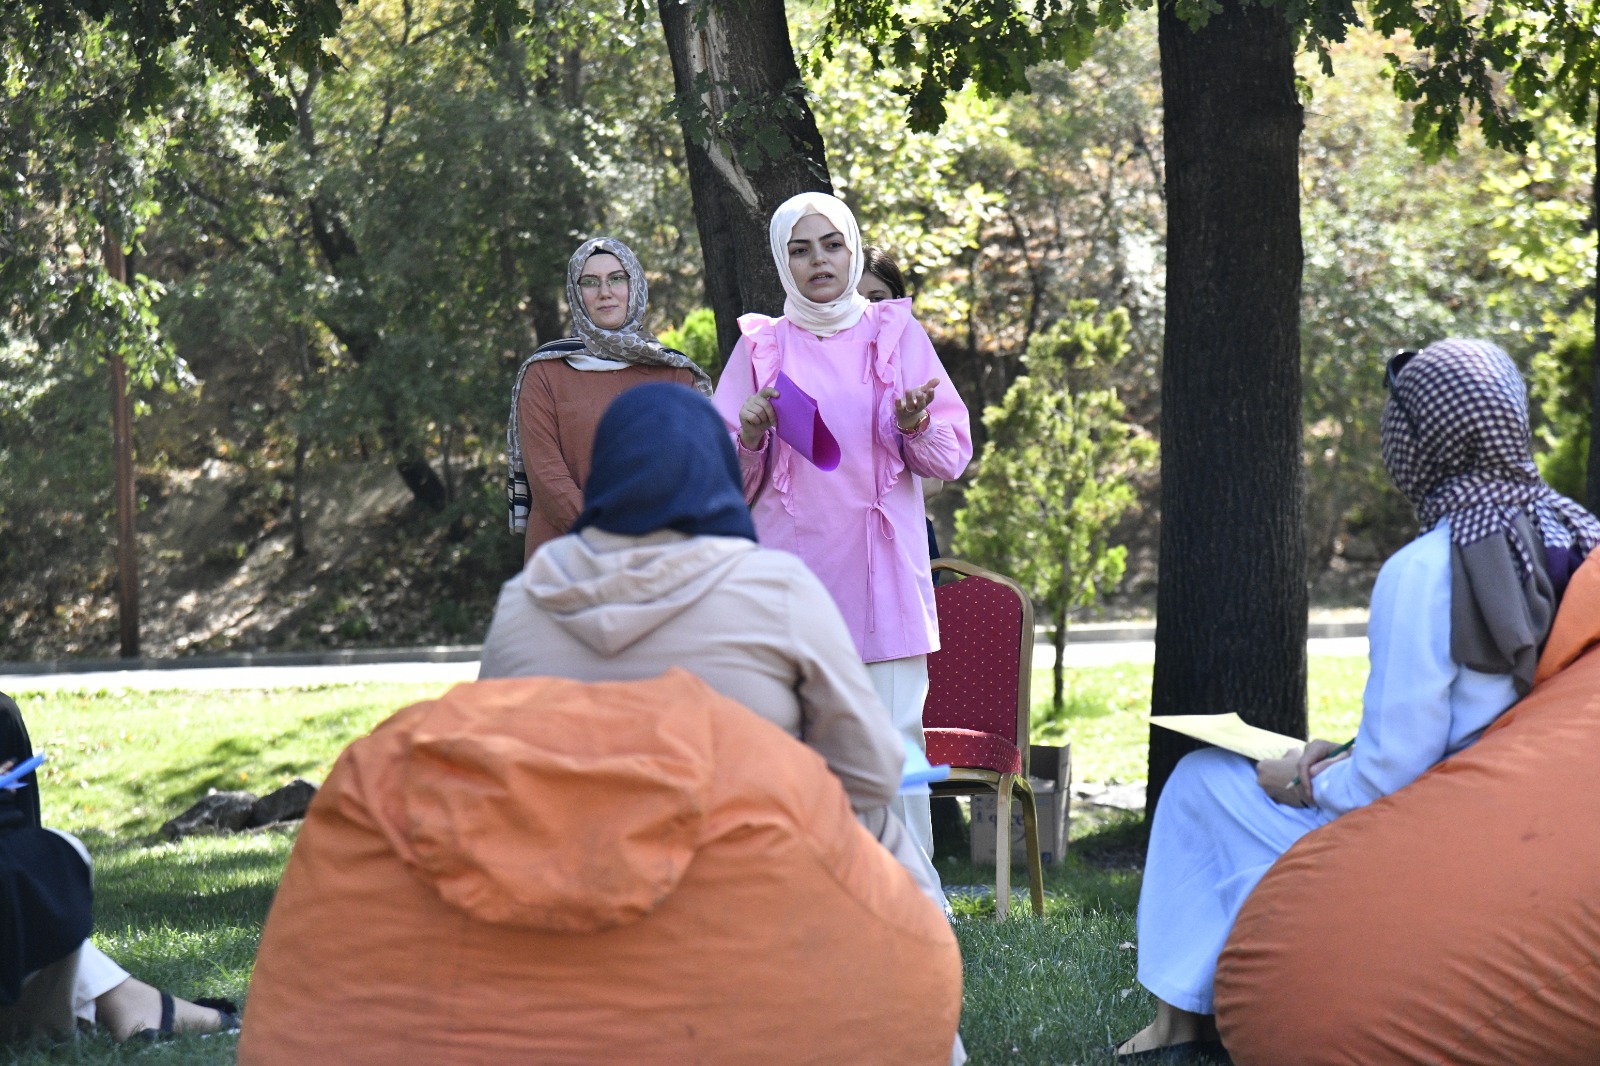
(1391, 374)
(1397, 362)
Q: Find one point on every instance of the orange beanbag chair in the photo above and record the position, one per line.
(543, 871)
(1455, 921)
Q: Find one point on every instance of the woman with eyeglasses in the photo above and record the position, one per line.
(883, 393)
(562, 389)
(1458, 617)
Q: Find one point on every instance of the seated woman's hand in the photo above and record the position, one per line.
(756, 417)
(1313, 760)
(1280, 779)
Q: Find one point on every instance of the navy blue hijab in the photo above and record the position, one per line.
(663, 460)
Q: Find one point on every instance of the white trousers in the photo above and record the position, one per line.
(97, 974)
(902, 686)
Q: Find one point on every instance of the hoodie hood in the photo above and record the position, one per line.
(610, 591)
(543, 803)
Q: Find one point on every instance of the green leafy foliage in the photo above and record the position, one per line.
(162, 44)
(1395, 257)
(745, 123)
(697, 338)
(990, 45)
(1053, 480)
(362, 289)
(1562, 383)
(1451, 61)
(1545, 241)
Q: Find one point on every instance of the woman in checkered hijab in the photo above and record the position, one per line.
(1457, 620)
(1456, 442)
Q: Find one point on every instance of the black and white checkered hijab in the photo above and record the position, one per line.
(1456, 442)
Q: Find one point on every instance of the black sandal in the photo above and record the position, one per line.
(227, 1011)
(164, 1030)
(227, 1014)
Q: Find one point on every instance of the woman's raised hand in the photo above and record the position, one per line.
(756, 417)
(910, 409)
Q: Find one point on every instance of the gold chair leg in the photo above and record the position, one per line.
(1030, 838)
(1002, 847)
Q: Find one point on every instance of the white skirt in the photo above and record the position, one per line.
(1214, 836)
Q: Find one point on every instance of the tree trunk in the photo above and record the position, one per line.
(297, 497)
(1231, 603)
(122, 457)
(723, 55)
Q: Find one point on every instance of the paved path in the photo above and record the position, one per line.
(441, 666)
(242, 677)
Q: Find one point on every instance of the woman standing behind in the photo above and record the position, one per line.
(562, 389)
(880, 276)
(883, 393)
(881, 280)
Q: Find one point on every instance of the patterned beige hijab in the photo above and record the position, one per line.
(593, 349)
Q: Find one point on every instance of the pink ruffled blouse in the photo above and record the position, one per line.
(860, 528)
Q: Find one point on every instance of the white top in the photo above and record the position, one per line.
(1419, 705)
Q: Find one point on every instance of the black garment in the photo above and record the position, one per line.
(19, 808)
(46, 907)
(45, 897)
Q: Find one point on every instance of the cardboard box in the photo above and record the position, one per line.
(1050, 771)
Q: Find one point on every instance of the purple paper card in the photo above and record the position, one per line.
(800, 424)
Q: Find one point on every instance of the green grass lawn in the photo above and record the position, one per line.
(1107, 707)
(187, 916)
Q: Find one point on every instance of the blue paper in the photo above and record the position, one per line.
(918, 773)
(12, 778)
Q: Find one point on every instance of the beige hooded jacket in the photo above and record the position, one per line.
(754, 624)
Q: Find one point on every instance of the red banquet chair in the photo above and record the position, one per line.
(976, 715)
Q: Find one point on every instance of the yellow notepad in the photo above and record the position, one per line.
(1231, 732)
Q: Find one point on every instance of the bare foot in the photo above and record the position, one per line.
(133, 1006)
(1171, 1026)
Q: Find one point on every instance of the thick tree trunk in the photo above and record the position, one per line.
(726, 54)
(1231, 604)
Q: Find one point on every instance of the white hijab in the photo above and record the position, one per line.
(824, 320)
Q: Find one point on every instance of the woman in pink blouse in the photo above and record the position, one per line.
(882, 391)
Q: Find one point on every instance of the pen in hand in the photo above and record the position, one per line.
(1334, 754)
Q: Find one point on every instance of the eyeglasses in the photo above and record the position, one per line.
(1391, 376)
(617, 280)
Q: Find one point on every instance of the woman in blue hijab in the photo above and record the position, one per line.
(663, 461)
(662, 569)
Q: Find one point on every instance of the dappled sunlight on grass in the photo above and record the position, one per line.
(122, 763)
(1106, 709)
(188, 915)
